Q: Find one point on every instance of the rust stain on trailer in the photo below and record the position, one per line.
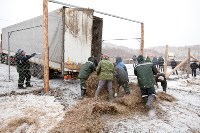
(76, 21)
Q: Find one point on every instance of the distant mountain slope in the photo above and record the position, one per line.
(180, 52)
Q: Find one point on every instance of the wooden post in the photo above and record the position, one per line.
(188, 63)
(142, 39)
(46, 49)
(166, 59)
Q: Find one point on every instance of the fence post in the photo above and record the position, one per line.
(166, 59)
(188, 63)
(46, 49)
(8, 58)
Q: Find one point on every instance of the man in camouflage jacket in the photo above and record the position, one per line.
(145, 74)
(23, 66)
(105, 71)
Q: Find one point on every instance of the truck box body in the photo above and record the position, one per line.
(74, 34)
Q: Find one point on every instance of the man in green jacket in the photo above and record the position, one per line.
(105, 71)
(84, 74)
(145, 74)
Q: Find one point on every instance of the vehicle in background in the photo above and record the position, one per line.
(74, 34)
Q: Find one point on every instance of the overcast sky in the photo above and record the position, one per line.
(166, 22)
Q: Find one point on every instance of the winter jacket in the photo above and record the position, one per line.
(23, 62)
(121, 75)
(145, 74)
(155, 61)
(148, 59)
(194, 65)
(158, 79)
(86, 70)
(134, 58)
(173, 63)
(160, 61)
(105, 70)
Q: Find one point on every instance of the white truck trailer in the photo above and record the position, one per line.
(74, 35)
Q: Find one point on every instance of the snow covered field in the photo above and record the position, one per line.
(32, 112)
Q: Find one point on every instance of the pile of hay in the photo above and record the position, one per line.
(92, 84)
(87, 115)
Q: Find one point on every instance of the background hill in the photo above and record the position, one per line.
(126, 53)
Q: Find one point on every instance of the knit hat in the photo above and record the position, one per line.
(105, 56)
(91, 59)
(140, 58)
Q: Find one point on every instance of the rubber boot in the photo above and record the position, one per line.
(83, 93)
(145, 99)
(150, 101)
(21, 87)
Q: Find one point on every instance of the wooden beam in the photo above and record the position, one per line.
(166, 59)
(142, 39)
(194, 58)
(46, 48)
(188, 63)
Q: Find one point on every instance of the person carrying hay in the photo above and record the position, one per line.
(160, 77)
(105, 71)
(145, 75)
(84, 73)
(121, 75)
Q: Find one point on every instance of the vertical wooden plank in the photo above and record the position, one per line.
(166, 59)
(142, 39)
(46, 49)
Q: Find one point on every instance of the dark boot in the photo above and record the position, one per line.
(83, 93)
(150, 101)
(21, 87)
(29, 85)
(145, 99)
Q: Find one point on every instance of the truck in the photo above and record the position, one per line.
(74, 34)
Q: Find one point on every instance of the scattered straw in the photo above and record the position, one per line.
(88, 116)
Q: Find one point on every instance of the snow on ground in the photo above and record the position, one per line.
(43, 112)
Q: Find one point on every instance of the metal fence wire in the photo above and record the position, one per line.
(21, 40)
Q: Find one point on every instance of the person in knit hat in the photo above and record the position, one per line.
(145, 72)
(105, 71)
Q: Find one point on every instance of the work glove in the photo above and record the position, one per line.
(33, 54)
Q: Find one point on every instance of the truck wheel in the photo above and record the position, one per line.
(2, 58)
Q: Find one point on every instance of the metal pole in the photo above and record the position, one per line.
(46, 49)
(8, 58)
(61, 3)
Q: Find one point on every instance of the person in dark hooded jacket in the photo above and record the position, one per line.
(84, 74)
(134, 61)
(120, 63)
(122, 79)
(23, 66)
(160, 77)
(194, 66)
(173, 65)
(145, 74)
